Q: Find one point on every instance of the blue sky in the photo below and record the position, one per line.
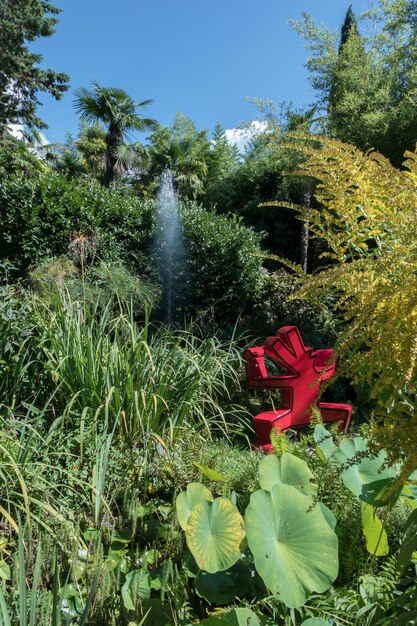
(202, 58)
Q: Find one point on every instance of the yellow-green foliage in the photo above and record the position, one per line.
(368, 219)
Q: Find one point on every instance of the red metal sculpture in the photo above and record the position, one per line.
(304, 371)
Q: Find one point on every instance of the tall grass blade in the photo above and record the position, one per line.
(35, 583)
(22, 579)
(5, 621)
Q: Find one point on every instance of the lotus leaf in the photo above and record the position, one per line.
(316, 621)
(214, 533)
(375, 534)
(328, 515)
(138, 584)
(288, 470)
(224, 587)
(196, 493)
(365, 476)
(294, 547)
(326, 447)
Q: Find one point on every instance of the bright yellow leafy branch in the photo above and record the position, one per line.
(367, 216)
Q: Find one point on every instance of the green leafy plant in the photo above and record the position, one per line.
(291, 538)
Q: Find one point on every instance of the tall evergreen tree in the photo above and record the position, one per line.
(368, 85)
(349, 26)
(356, 102)
(20, 75)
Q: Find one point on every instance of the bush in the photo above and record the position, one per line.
(46, 216)
(40, 216)
(224, 271)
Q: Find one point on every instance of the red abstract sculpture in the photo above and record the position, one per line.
(304, 371)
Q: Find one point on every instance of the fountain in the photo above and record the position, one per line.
(169, 244)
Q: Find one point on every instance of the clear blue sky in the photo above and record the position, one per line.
(200, 58)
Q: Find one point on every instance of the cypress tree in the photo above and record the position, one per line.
(349, 26)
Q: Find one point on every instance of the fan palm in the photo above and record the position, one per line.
(119, 113)
(181, 156)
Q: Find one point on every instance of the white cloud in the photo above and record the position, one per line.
(44, 141)
(17, 130)
(241, 136)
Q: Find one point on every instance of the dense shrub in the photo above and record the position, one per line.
(223, 268)
(41, 215)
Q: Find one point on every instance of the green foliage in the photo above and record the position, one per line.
(408, 543)
(239, 466)
(42, 215)
(235, 617)
(118, 111)
(99, 286)
(288, 565)
(21, 76)
(214, 533)
(159, 383)
(367, 83)
(195, 493)
(223, 271)
(18, 157)
(286, 470)
(368, 224)
(46, 216)
(198, 164)
(184, 151)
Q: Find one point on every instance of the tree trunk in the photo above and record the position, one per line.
(113, 140)
(305, 231)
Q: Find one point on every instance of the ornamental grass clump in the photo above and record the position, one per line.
(151, 381)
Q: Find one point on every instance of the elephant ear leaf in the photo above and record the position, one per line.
(294, 547)
(287, 470)
(195, 493)
(214, 533)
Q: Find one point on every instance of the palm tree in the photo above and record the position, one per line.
(183, 157)
(118, 112)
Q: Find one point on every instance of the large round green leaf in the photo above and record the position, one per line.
(326, 448)
(316, 621)
(287, 470)
(366, 475)
(328, 515)
(294, 547)
(196, 493)
(214, 533)
(224, 587)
